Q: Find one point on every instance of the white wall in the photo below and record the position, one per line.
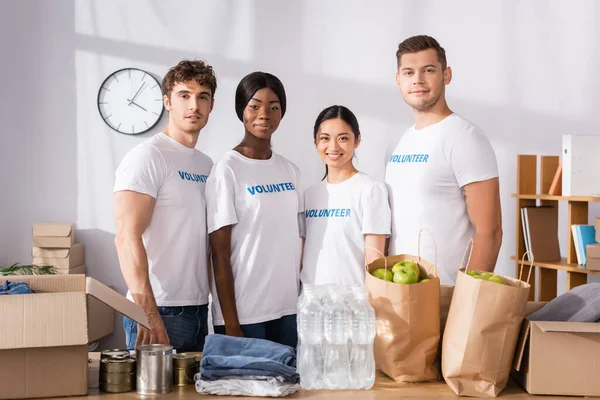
(526, 72)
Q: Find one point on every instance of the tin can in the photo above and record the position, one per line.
(115, 354)
(185, 367)
(118, 388)
(154, 369)
(117, 375)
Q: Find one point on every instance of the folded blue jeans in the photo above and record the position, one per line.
(187, 326)
(227, 356)
(9, 287)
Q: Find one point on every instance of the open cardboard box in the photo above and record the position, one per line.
(558, 358)
(45, 336)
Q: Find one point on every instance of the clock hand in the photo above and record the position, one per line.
(136, 94)
(136, 104)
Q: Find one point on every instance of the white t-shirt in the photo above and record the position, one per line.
(337, 218)
(176, 240)
(261, 199)
(425, 175)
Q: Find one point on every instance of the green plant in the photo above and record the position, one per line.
(17, 269)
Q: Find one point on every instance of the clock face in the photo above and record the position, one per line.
(130, 101)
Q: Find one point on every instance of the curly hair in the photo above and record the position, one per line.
(190, 70)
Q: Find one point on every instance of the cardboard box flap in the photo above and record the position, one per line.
(43, 320)
(570, 327)
(38, 252)
(52, 229)
(521, 344)
(116, 301)
(533, 306)
(592, 250)
(49, 253)
(51, 283)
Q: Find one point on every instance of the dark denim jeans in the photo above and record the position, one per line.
(187, 327)
(282, 330)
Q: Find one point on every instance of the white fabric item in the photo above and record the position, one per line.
(337, 218)
(261, 199)
(176, 240)
(425, 176)
(265, 386)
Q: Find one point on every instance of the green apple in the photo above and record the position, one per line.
(425, 280)
(486, 275)
(406, 275)
(497, 279)
(408, 264)
(384, 274)
(472, 273)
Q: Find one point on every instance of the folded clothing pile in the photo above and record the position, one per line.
(246, 367)
(580, 304)
(9, 287)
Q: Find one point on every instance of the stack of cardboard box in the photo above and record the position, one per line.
(54, 244)
(593, 251)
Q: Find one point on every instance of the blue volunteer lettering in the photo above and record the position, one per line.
(409, 158)
(328, 213)
(271, 188)
(193, 177)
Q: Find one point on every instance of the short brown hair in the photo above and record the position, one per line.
(188, 70)
(419, 43)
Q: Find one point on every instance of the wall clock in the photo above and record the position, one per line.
(130, 101)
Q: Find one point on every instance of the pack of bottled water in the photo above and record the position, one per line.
(336, 329)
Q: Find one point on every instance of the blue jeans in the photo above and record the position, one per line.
(9, 287)
(282, 330)
(187, 327)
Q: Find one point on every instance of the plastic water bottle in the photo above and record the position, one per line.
(336, 369)
(362, 334)
(310, 339)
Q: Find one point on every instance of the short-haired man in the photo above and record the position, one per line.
(443, 174)
(160, 216)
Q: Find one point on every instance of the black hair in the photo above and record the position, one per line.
(251, 84)
(333, 112)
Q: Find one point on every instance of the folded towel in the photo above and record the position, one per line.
(227, 356)
(580, 304)
(263, 386)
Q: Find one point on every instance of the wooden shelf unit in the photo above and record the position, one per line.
(527, 196)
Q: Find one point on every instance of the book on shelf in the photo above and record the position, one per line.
(556, 186)
(540, 231)
(525, 232)
(582, 236)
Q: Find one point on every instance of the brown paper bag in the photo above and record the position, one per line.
(407, 321)
(481, 334)
(445, 299)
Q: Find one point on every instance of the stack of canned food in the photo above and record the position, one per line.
(117, 371)
(153, 369)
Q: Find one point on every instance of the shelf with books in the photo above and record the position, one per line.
(527, 197)
(561, 265)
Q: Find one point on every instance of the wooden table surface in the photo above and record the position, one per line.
(384, 388)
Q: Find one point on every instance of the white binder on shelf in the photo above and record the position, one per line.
(581, 165)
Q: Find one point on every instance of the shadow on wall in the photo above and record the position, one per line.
(102, 264)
